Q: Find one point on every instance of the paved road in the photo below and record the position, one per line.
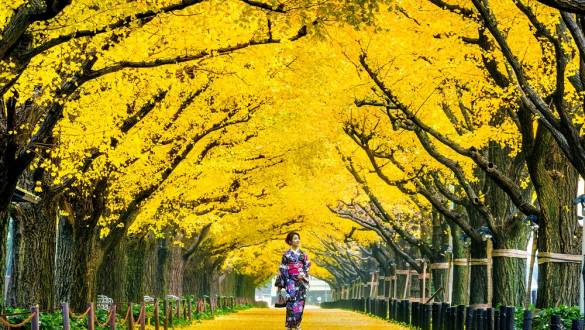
(314, 319)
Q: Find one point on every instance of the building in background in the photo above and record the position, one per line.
(319, 292)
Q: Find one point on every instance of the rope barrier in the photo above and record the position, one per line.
(108, 319)
(7, 323)
(460, 262)
(14, 314)
(128, 312)
(140, 316)
(550, 257)
(440, 265)
(80, 316)
(509, 253)
(103, 325)
(478, 262)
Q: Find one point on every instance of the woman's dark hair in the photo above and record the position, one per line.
(290, 237)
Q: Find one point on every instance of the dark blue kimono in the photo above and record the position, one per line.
(292, 266)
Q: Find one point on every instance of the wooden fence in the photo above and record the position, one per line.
(443, 316)
(182, 308)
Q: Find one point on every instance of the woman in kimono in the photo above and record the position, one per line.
(293, 277)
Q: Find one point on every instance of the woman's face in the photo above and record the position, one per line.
(296, 241)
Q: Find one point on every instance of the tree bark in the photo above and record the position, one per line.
(112, 273)
(34, 265)
(460, 272)
(175, 269)
(64, 262)
(161, 265)
(440, 241)
(508, 274)
(555, 181)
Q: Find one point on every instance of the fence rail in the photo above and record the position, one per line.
(443, 316)
(181, 308)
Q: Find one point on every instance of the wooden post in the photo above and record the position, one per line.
(130, 317)
(113, 317)
(142, 319)
(424, 282)
(496, 319)
(577, 325)
(503, 317)
(468, 317)
(65, 313)
(482, 319)
(475, 319)
(527, 322)
(452, 318)
(555, 323)
(178, 309)
(436, 317)
(510, 311)
(166, 313)
(35, 320)
(460, 318)
(90, 317)
(156, 316)
(190, 309)
(184, 309)
(427, 315)
(489, 319)
(170, 312)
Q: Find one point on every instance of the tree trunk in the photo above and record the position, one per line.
(64, 262)
(9, 175)
(162, 265)
(460, 272)
(87, 257)
(150, 264)
(112, 273)
(477, 291)
(440, 241)
(84, 209)
(137, 268)
(555, 182)
(508, 274)
(36, 253)
(175, 269)
(12, 254)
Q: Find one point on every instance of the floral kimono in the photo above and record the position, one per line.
(294, 264)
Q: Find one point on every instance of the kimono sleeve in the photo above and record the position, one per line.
(282, 273)
(306, 263)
